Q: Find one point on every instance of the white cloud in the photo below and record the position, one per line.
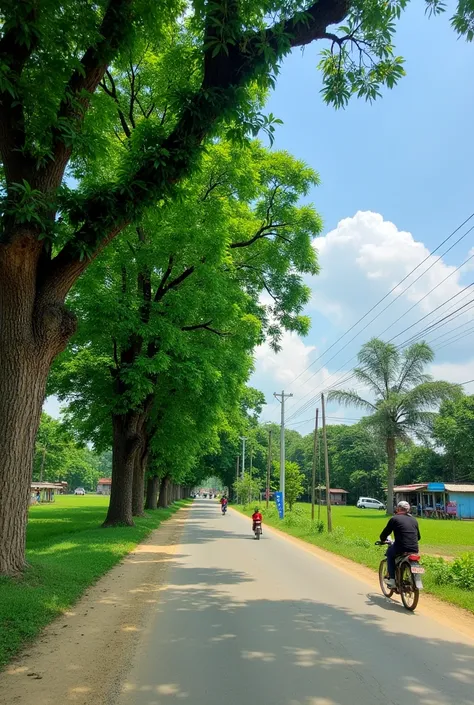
(361, 261)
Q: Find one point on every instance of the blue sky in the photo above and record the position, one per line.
(408, 160)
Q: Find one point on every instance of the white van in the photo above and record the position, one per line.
(369, 503)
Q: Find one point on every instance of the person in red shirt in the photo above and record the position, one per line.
(256, 516)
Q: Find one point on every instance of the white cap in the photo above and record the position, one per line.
(404, 505)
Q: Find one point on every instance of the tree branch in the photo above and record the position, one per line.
(262, 232)
(112, 92)
(83, 82)
(224, 75)
(205, 326)
(16, 46)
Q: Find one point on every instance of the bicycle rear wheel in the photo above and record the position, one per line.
(383, 574)
(409, 592)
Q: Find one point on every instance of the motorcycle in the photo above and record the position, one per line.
(408, 582)
(258, 530)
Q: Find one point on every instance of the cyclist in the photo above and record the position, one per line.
(406, 533)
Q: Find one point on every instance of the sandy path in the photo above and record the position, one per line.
(80, 657)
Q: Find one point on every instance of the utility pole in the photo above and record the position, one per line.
(281, 398)
(269, 464)
(326, 465)
(315, 452)
(243, 439)
(251, 461)
(237, 475)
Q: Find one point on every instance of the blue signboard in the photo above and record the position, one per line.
(279, 503)
(436, 487)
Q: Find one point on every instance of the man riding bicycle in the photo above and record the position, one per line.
(406, 532)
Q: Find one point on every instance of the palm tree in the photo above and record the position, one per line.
(404, 395)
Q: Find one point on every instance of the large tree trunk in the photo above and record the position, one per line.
(152, 489)
(32, 332)
(126, 445)
(391, 456)
(163, 496)
(138, 494)
(22, 388)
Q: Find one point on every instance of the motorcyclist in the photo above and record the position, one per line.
(406, 532)
(256, 517)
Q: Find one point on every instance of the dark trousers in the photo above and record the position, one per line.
(392, 552)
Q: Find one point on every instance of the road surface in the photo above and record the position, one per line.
(266, 623)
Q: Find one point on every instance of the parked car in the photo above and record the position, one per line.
(369, 503)
(79, 490)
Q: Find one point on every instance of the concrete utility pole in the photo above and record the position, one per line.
(281, 398)
(315, 452)
(326, 466)
(243, 439)
(269, 464)
(237, 475)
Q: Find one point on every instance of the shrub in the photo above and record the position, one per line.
(439, 569)
(338, 535)
(462, 571)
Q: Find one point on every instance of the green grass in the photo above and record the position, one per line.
(355, 532)
(67, 551)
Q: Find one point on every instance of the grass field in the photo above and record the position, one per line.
(67, 551)
(355, 531)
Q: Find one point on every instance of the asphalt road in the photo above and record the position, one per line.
(267, 623)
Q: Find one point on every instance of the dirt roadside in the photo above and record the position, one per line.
(79, 658)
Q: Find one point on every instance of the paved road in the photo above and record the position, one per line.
(266, 623)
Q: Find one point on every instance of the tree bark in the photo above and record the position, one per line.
(163, 496)
(126, 445)
(391, 456)
(152, 488)
(30, 336)
(138, 490)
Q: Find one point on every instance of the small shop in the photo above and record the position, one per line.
(438, 500)
(45, 492)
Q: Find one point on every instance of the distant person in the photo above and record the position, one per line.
(406, 533)
(256, 516)
(38, 497)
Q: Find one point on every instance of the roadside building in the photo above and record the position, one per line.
(443, 500)
(338, 496)
(104, 486)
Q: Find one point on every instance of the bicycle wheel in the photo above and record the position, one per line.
(408, 590)
(383, 574)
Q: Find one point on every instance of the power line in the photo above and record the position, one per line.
(397, 297)
(410, 340)
(392, 290)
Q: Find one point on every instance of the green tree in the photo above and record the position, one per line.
(294, 486)
(247, 489)
(453, 429)
(418, 463)
(404, 396)
(58, 457)
(188, 78)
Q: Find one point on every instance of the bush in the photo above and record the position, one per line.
(362, 542)
(460, 572)
(439, 569)
(338, 535)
